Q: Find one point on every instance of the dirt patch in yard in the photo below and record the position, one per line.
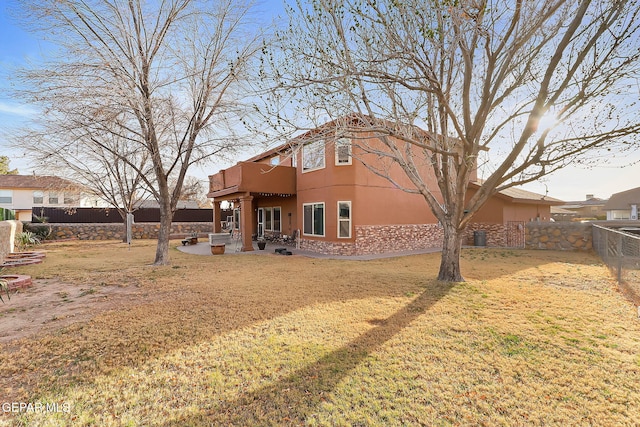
(51, 304)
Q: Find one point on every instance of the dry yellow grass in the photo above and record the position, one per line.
(532, 338)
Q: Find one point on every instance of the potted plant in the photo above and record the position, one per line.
(262, 244)
(217, 242)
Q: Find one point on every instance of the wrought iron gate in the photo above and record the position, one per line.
(515, 234)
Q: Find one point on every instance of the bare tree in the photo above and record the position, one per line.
(102, 171)
(515, 88)
(156, 85)
(194, 190)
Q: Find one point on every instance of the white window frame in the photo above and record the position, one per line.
(341, 142)
(54, 198)
(6, 194)
(313, 211)
(273, 219)
(315, 151)
(347, 220)
(268, 219)
(69, 199)
(38, 197)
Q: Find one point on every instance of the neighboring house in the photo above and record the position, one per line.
(182, 204)
(561, 214)
(314, 189)
(624, 205)
(25, 193)
(591, 207)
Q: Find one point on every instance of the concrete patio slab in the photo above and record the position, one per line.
(233, 246)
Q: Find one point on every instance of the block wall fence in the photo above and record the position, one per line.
(559, 236)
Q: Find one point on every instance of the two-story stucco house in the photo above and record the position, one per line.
(624, 205)
(314, 189)
(25, 193)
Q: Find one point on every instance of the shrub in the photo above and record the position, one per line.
(4, 287)
(41, 231)
(27, 239)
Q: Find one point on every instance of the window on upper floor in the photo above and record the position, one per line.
(38, 197)
(274, 161)
(69, 199)
(6, 196)
(313, 156)
(343, 151)
(53, 198)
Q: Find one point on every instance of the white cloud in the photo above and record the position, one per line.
(17, 109)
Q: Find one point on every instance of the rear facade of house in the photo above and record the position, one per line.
(316, 191)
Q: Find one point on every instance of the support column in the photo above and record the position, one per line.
(217, 224)
(246, 222)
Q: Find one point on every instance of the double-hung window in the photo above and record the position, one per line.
(313, 219)
(343, 151)
(53, 198)
(6, 196)
(38, 197)
(313, 156)
(69, 199)
(344, 220)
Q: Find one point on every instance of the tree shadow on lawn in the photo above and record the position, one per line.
(203, 300)
(213, 299)
(292, 399)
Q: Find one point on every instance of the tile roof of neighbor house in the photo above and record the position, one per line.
(623, 200)
(520, 195)
(36, 182)
(559, 210)
(577, 204)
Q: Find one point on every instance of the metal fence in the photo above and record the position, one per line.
(6, 214)
(620, 250)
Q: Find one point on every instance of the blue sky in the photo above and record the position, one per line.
(17, 46)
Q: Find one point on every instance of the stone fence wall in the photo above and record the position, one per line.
(146, 230)
(537, 235)
(558, 236)
(8, 232)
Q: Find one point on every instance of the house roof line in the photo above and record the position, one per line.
(328, 128)
(623, 200)
(518, 195)
(37, 182)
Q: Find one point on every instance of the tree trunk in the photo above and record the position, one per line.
(162, 249)
(450, 260)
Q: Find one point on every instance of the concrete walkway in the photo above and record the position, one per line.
(232, 248)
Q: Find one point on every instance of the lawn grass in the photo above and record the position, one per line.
(532, 338)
